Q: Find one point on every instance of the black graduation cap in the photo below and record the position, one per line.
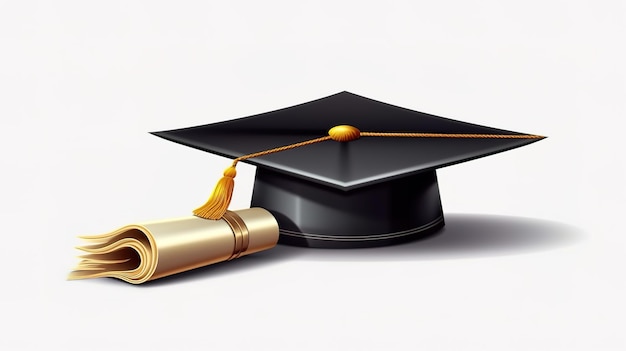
(379, 187)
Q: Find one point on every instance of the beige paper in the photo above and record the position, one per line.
(141, 252)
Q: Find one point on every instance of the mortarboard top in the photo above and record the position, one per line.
(370, 191)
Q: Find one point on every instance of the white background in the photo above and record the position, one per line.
(534, 251)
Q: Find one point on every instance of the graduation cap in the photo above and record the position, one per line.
(344, 170)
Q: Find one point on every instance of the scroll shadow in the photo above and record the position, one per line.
(466, 236)
(258, 260)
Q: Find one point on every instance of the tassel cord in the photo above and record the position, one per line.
(220, 198)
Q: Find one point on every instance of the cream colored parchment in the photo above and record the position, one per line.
(138, 253)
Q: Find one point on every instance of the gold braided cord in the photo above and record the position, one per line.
(388, 134)
(279, 149)
(217, 204)
(443, 135)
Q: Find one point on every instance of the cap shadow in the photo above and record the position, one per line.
(464, 236)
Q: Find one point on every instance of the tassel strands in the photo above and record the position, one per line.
(218, 202)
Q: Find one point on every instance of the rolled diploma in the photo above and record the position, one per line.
(141, 252)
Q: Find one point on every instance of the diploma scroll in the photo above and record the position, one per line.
(142, 252)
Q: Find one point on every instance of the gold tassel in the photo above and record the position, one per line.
(218, 202)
